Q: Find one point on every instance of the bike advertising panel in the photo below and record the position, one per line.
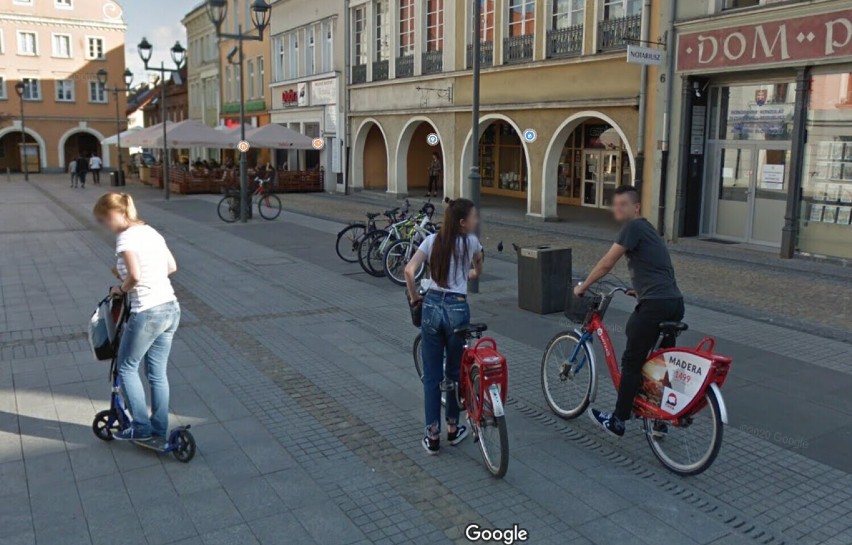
(673, 378)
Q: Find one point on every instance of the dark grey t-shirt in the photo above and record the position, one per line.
(648, 259)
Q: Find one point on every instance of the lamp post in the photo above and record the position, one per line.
(474, 178)
(128, 80)
(217, 11)
(178, 56)
(20, 87)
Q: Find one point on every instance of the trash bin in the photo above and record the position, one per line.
(121, 179)
(544, 278)
(113, 179)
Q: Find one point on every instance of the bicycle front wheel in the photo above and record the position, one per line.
(375, 257)
(567, 375)
(229, 209)
(366, 246)
(490, 430)
(690, 445)
(269, 206)
(397, 257)
(348, 241)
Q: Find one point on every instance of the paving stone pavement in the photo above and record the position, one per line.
(299, 387)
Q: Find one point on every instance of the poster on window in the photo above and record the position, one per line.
(819, 192)
(773, 178)
(816, 212)
(832, 192)
(846, 193)
(844, 214)
(829, 215)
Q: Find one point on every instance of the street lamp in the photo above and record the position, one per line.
(20, 88)
(178, 54)
(217, 11)
(128, 81)
(473, 177)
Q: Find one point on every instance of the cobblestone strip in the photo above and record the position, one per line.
(44, 346)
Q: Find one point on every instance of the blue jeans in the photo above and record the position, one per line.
(148, 336)
(442, 313)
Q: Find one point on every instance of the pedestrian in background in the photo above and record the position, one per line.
(144, 264)
(72, 170)
(95, 165)
(436, 168)
(82, 169)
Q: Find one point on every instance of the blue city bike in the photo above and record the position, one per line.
(181, 443)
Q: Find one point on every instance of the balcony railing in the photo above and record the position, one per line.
(359, 73)
(486, 54)
(617, 33)
(380, 70)
(565, 42)
(433, 62)
(405, 66)
(518, 48)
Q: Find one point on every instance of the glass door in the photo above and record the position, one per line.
(736, 168)
(609, 177)
(770, 196)
(591, 178)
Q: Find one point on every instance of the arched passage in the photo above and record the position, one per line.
(82, 141)
(504, 158)
(370, 157)
(587, 158)
(10, 140)
(414, 157)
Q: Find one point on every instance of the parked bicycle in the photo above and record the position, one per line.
(679, 384)
(375, 245)
(350, 237)
(400, 252)
(268, 203)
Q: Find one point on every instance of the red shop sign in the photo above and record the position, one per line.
(825, 36)
(290, 97)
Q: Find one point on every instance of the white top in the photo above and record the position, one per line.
(95, 163)
(457, 281)
(154, 287)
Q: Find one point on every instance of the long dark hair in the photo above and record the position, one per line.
(446, 249)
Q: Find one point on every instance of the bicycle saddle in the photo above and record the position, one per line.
(470, 329)
(372, 216)
(392, 211)
(673, 328)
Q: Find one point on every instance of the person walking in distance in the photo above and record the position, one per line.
(72, 170)
(436, 168)
(144, 264)
(95, 165)
(82, 169)
(454, 256)
(655, 288)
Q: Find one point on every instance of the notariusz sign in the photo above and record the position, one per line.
(644, 55)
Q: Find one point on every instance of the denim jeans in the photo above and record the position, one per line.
(442, 313)
(148, 337)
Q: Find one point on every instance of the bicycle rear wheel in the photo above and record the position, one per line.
(567, 375)
(491, 432)
(364, 249)
(229, 209)
(269, 206)
(397, 257)
(690, 445)
(348, 241)
(375, 257)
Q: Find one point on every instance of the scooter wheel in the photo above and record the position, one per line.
(184, 451)
(105, 424)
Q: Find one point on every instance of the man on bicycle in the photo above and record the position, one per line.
(655, 288)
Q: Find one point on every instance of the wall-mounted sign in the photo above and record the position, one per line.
(324, 92)
(644, 55)
(290, 97)
(796, 40)
(302, 90)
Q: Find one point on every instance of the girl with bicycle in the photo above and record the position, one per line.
(454, 256)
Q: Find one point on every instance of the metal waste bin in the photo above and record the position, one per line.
(544, 278)
(116, 178)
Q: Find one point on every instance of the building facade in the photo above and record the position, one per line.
(308, 91)
(56, 47)
(761, 152)
(202, 73)
(561, 108)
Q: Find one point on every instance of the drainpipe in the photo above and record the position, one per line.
(667, 120)
(346, 78)
(645, 30)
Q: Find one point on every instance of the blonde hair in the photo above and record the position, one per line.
(117, 202)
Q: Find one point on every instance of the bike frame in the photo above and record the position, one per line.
(493, 379)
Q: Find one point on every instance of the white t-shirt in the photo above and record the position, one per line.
(154, 287)
(95, 163)
(457, 281)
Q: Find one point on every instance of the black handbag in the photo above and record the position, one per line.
(416, 310)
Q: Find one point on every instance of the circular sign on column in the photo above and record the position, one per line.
(530, 135)
(243, 146)
(318, 143)
(432, 139)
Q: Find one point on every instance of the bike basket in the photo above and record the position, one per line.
(577, 309)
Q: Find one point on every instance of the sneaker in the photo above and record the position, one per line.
(457, 436)
(432, 446)
(608, 422)
(130, 434)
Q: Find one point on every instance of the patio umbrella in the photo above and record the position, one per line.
(144, 137)
(278, 137)
(185, 134)
(113, 140)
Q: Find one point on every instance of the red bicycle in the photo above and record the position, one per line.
(482, 388)
(678, 384)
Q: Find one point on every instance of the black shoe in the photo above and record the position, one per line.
(456, 437)
(610, 423)
(432, 446)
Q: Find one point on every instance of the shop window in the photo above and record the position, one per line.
(826, 204)
(502, 160)
(756, 112)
